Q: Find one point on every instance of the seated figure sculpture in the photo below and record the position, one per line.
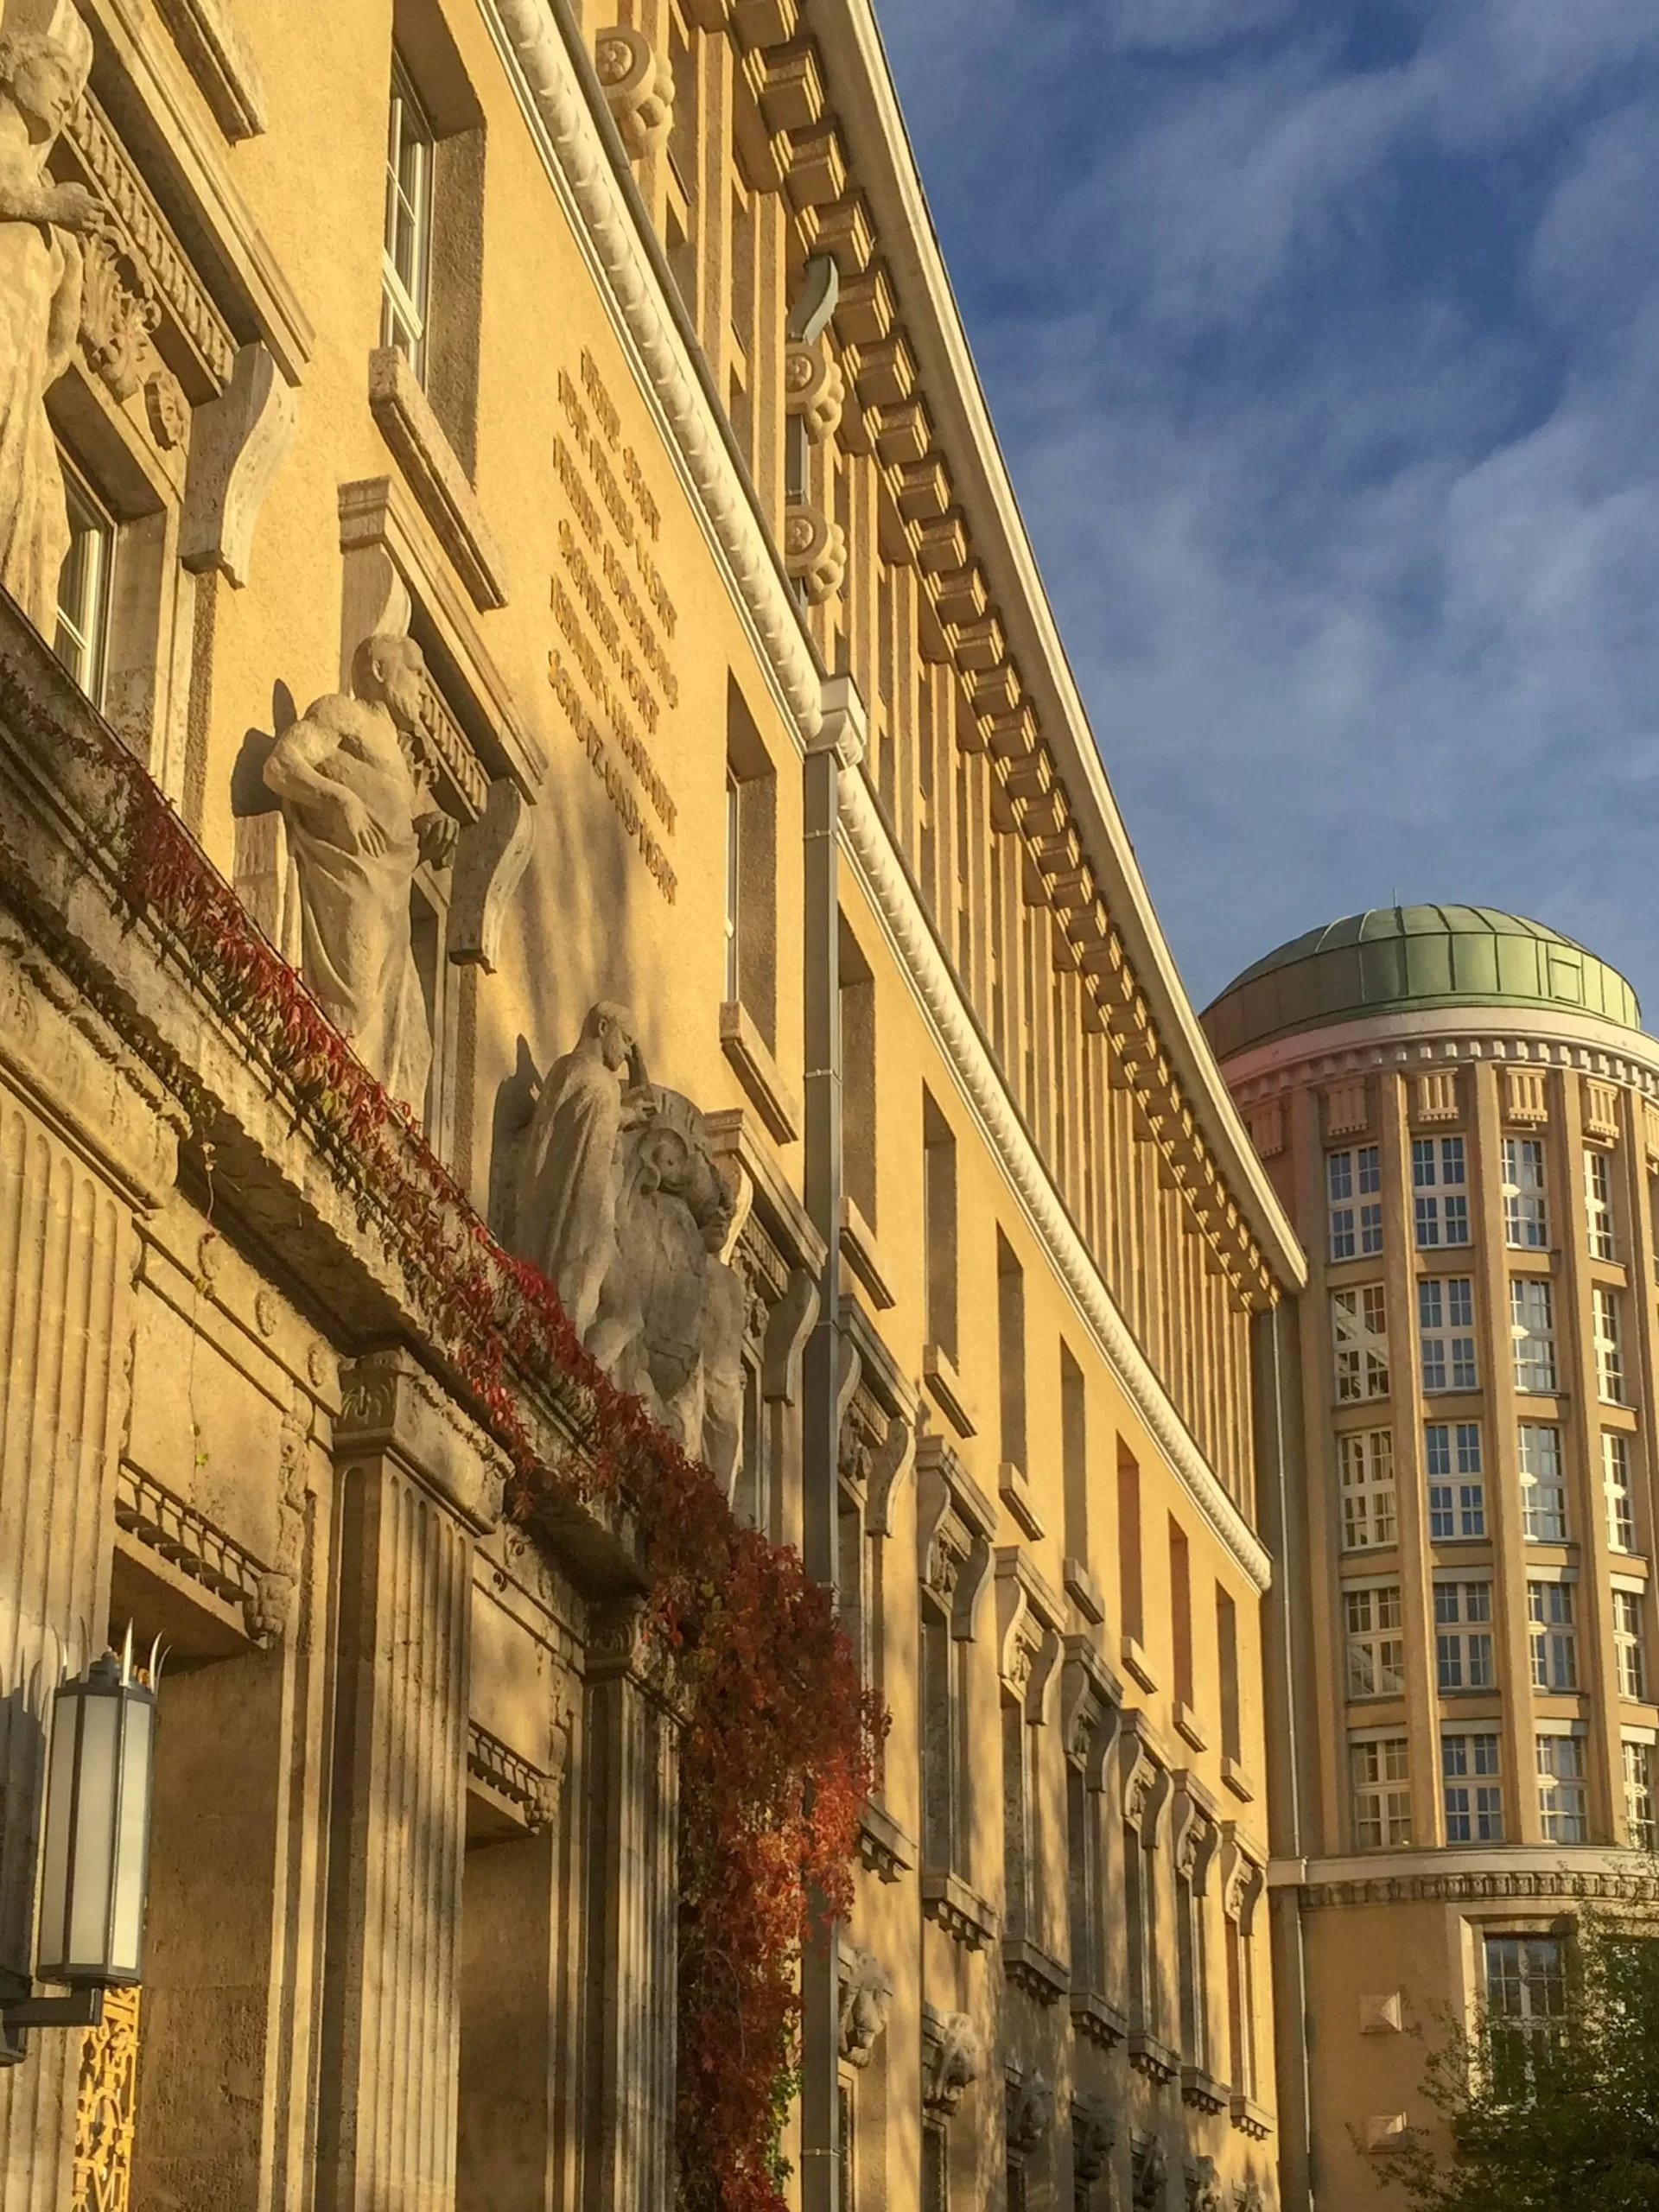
(360, 822)
(621, 1205)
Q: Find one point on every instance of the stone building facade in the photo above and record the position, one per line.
(1461, 1112)
(513, 481)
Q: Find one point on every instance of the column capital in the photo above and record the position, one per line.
(389, 1404)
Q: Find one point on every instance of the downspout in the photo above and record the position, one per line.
(1284, 1658)
(839, 744)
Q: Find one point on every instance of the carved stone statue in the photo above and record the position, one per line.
(566, 1216)
(354, 799)
(621, 1204)
(1030, 2112)
(1151, 2177)
(1093, 2133)
(43, 74)
(958, 2062)
(866, 1997)
(1203, 2186)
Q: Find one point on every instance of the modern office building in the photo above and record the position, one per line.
(1458, 1108)
(510, 477)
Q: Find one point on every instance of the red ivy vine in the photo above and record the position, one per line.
(777, 1757)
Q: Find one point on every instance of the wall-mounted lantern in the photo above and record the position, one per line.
(95, 1854)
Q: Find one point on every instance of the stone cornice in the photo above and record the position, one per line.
(544, 77)
(1544, 1875)
(938, 993)
(1447, 1036)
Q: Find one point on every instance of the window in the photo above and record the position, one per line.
(1022, 1823)
(1378, 1772)
(1366, 1458)
(1376, 1649)
(1180, 1611)
(734, 879)
(1463, 1635)
(939, 1226)
(1474, 1796)
(1610, 1360)
(1526, 1218)
(1354, 1182)
(1641, 1830)
(857, 1072)
(83, 633)
(935, 2167)
(1526, 1994)
(1598, 1203)
(1359, 1326)
(1446, 1315)
(1562, 1796)
(1555, 1637)
(1128, 1546)
(1441, 1198)
(1456, 1495)
(1532, 1328)
(750, 870)
(1616, 1489)
(1232, 1745)
(1628, 1659)
(945, 1771)
(845, 2162)
(406, 254)
(1543, 1493)
(1010, 1353)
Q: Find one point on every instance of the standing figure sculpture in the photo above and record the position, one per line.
(361, 822)
(43, 74)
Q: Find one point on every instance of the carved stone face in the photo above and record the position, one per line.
(43, 87)
(614, 1046)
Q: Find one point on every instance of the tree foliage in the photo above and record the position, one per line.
(1562, 2114)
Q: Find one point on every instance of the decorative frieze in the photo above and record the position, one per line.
(1600, 1111)
(1526, 1095)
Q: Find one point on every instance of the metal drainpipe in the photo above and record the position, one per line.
(839, 743)
(1286, 1934)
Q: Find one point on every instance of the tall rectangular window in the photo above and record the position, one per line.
(1379, 1775)
(1365, 1456)
(1074, 1460)
(1463, 1635)
(1457, 1490)
(1641, 1832)
(1532, 1331)
(1445, 1317)
(1010, 1353)
(1359, 1331)
(82, 638)
(1554, 1635)
(939, 1226)
(406, 247)
(945, 1729)
(751, 869)
(734, 880)
(1376, 1643)
(1474, 1794)
(1543, 1488)
(1610, 1357)
(1616, 1489)
(1562, 1795)
(1354, 1183)
(1180, 1611)
(1232, 1745)
(857, 1075)
(1439, 1191)
(935, 2167)
(1128, 1546)
(1629, 1662)
(1598, 1203)
(1526, 1215)
(1526, 1996)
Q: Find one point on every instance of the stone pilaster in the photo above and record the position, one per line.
(80, 1146)
(633, 1773)
(418, 1484)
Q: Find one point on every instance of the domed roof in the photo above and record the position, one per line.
(1401, 959)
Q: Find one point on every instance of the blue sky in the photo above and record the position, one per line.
(1323, 342)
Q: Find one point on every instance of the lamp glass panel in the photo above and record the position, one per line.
(97, 1785)
(127, 1915)
(60, 1824)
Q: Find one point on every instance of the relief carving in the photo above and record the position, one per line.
(866, 1999)
(1093, 2134)
(621, 1204)
(815, 552)
(1030, 2112)
(958, 2063)
(639, 87)
(1150, 2177)
(43, 74)
(118, 311)
(349, 776)
(814, 389)
(1203, 2186)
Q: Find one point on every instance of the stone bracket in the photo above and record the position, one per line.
(389, 1403)
(237, 442)
(490, 856)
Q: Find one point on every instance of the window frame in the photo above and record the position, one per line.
(90, 628)
(1630, 1647)
(1455, 1495)
(1600, 1226)
(1446, 1305)
(405, 294)
(1377, 1644)
(1388, 1789)
(1526, 1195)
(1524, 1336)
(1464, 1650)
(1640, 1826)
(1618, 1495)
(1365, 1482)
(1552, 1635)
(1472, 1792)
(1539, 1483)
(1365, 1343)
(1439, 1197)
(1354, 1230)
(1563, 1788)
(1607, 1338)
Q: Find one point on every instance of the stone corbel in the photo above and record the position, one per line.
(1027, 1638)
(1094, 2131)
(1146, 1787)
(815, 551)
(953, 2060)
(1090, 1710)
(1195, 1833)
(866, 2001)
(491, 855)
(849, 1369)
(814, 390)
(1243, 1878)
(1030, 2111)
(893, 1458)
(237, 442)
(639, 87)
(952, 1516)
(844, 729)
(789, 1324)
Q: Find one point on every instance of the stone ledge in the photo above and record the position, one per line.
(965, 1917)
(1015, 1493)
(939, 1373)
(1034, 1970)
(217, 56)
(1083, 1590)
(759, 1073)
(1236, 1776)
(1200, 2089)
(1251, 2119)
(885, 1846)
(1188, 1725)
(1098, 2020)
(435, 476)
(1153, 2057)
(862, 1255)
(1136, 1665)
(251, 1597)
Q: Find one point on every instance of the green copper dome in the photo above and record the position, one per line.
(1401, 959)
